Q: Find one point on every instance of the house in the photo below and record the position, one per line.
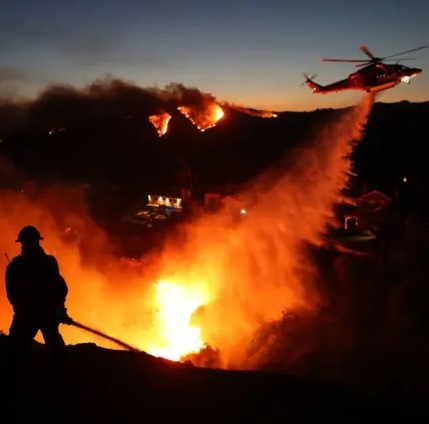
(373, 201)
(365, 212)
(371, 209)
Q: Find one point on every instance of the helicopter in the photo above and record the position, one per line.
(374, 76)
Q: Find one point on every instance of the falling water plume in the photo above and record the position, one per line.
(256, 270)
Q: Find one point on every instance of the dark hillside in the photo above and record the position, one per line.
(99, 385)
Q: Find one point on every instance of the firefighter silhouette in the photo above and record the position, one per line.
(37, 293)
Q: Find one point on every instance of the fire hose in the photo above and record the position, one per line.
(103, 335)
(69, 321)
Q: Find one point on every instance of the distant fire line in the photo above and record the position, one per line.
(205, 117)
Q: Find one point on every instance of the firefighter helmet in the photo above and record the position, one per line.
(28, 234)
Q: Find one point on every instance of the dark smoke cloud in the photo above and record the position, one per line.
(186, 96)
(67, 106)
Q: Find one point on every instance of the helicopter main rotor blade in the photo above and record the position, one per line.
(365, 49)
(342, 60)
(360, 65)
(405, 52)
(398, 59)
(373, 59)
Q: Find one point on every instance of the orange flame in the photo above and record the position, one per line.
(176, 304)
(205, 118)
(266, 114)
(160, 122)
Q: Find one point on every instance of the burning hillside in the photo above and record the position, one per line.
(203, 118)
(68, 107)
(160, 122)
(60, 108)
(223, 280)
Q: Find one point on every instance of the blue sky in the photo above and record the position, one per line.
(250, 52)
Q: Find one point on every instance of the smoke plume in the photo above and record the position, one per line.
(65, 106)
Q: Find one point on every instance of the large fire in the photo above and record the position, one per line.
(203, 118)
(160, 122)
(175, 306)
(218, 284)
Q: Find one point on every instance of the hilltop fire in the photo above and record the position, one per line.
(160, 122)
(203, 118)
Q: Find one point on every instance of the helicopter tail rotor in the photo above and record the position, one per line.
(307, 78)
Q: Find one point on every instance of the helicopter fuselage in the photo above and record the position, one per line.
(375, 74)
(379, 77)
(372, 78)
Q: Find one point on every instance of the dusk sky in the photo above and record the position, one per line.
(249, 52)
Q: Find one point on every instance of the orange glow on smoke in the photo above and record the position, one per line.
(219, 283)
(203, 118)
(160, 122)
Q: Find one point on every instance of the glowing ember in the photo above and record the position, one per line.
(160, 122)
(267, 114)
(178, 337)
(205, 118)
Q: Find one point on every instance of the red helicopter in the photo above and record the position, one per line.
(374, 76)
